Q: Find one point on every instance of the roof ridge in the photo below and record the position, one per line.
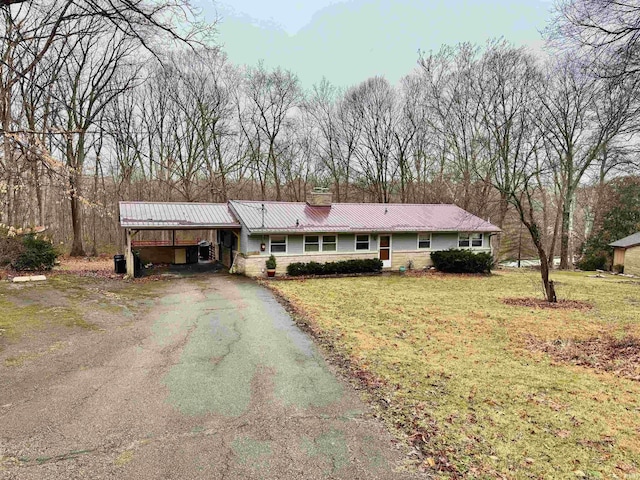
(353, 203)
(171, 203)
(262, 201)
(396, 203)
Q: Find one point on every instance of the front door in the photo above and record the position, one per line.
(384, 249)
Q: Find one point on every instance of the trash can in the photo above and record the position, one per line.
(137, 265)
(119, 264)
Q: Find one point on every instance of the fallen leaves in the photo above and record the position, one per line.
(618, 356)
(541, 303)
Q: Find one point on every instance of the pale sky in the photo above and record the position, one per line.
(349, 41)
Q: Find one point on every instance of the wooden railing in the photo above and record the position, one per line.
(167, 243)
(163, 243)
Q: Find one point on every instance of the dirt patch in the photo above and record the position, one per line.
(69, 264)
(541, 303)
(95, 267)
(618, 356)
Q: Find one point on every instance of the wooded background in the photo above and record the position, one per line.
(105, 100)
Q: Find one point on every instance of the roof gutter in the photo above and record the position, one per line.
(346, 230)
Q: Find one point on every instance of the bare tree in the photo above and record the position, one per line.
(43, 23)
(449, 79)
(272, 97)
(96, 70)
(349, 135)
(373, 103)
(322, 107)
(581, 115)
(210, 82)
(508, 81)
(604, 33)
(60, 54)
(411, 116)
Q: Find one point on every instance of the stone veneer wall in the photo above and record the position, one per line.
(421, 258)
(253, 265)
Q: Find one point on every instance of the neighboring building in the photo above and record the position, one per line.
(626, 252)
(319, 230)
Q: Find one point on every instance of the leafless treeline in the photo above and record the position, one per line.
(104, 114)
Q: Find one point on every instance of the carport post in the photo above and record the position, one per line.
(130, 266)
(237, 235)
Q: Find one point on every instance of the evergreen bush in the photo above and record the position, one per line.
(462, 261)
(593, 262)
(38, 254)
(11, 246)
(271, 263)
(370, 265)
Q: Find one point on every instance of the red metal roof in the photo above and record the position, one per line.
(182, 216)
(289, 217)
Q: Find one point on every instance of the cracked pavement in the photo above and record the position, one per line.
(214, 381)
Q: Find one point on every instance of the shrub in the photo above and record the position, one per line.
(315, 268)
(11, 246)
(593, 262)
(462, 261)
(296, 269)
(38, 254)
(618, 268)
(370, 265)
(271, 263)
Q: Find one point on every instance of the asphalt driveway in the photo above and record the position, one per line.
(213, 381)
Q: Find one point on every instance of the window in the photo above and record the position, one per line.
(312, 243)
(278, 244)
(329, 243)
(466, 240)
(424, 240)
(476, 240)
(463, 240)
(362, 242)
(320, 243)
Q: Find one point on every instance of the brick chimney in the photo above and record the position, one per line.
(319, 197)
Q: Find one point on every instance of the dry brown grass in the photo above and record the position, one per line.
(454, 368)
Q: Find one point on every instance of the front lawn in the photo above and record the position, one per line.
(485, 389)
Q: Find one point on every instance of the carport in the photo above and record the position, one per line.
(175, 217)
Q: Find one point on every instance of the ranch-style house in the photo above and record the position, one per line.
(244, 234)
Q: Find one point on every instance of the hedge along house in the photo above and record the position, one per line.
(173, 219)
(626, 252)
(322, 231)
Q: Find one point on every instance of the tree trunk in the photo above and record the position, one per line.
(77, 247)
(8, 160)
(564, 235)
(94, 240)
(534, 231)
(547, 285)
(75, 162)
(276, 178)
(503, 209)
